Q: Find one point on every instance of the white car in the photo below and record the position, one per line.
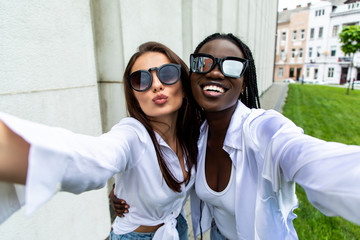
(319, 82)
(289, 80)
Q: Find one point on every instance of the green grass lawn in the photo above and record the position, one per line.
(328, 113)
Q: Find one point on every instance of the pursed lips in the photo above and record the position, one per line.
(160, 99)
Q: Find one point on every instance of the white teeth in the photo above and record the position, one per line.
(214, 88)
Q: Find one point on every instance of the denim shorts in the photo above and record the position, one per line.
(181, 227)
(215, 233)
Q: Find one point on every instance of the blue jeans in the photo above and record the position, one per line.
(215, 233)
(181, 227)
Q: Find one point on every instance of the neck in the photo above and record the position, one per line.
(165, 126)
(219, 123)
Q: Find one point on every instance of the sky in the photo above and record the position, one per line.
(291, 4)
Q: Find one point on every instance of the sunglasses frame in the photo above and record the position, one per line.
(177, 66)
(219, 61)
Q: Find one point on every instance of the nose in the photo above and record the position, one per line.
(156, 84)
(216, 73)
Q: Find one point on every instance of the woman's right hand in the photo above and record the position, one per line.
(119, 205)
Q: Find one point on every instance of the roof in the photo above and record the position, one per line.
(284, 16)
(339, 2)
(351, 1)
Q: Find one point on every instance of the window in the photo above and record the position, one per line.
(316, 71)
(300, 53)
(349, 24)
(331, 72)
(294, 35)
(319, 12)
(310, 52)
(312, 33)
(291, 72)
(333, 51)
(282, 54)
(293, 52)
(302, 35)
(335, 30)
(318, 51)
(307, 72)
(281, 72)
(321, 32)
(283, 36)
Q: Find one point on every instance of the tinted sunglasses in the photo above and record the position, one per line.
(141, 80)
(233, 67)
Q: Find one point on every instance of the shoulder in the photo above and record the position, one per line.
(267, 118)
(131, 127)
(264, 125)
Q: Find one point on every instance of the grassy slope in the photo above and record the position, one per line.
(328, 113)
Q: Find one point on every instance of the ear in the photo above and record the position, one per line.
(243, 86)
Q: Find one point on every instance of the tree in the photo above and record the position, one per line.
(350, 39)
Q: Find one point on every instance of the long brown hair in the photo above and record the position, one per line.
(187, 126)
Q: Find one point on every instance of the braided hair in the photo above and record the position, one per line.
(250, 97)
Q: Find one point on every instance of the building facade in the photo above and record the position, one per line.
(291, 43)
(323, 62)
(340, 68)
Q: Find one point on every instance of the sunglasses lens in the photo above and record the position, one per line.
(140, 80)
(201, 64)
(232, 68)
(169, 74)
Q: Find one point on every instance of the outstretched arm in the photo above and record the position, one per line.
(14, 152)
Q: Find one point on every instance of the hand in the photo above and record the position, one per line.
(119, 205)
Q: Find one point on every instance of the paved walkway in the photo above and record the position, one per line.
(273, 98)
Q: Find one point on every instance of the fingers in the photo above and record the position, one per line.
(120, 207)
(118, 200)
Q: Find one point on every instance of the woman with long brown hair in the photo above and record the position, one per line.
(152, 153)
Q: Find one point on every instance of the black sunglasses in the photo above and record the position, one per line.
(168, 74)
(233, 67)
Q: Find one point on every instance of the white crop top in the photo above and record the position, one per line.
(222, 202)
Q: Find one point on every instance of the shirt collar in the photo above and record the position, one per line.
(233, 138)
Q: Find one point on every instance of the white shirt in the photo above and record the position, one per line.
(270, 154)
(79, 163)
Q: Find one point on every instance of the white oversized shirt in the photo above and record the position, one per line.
(76, 163)
(270, 155)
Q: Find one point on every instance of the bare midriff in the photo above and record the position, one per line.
(148, 229)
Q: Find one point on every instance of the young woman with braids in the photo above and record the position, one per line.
(152, 156)
(250, 159)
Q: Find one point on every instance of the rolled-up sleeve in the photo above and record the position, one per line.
(328, 171)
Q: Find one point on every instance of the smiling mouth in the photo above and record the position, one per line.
(213, 89)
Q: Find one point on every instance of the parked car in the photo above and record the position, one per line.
(319, 82)
(309, 81)
(289, 80)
